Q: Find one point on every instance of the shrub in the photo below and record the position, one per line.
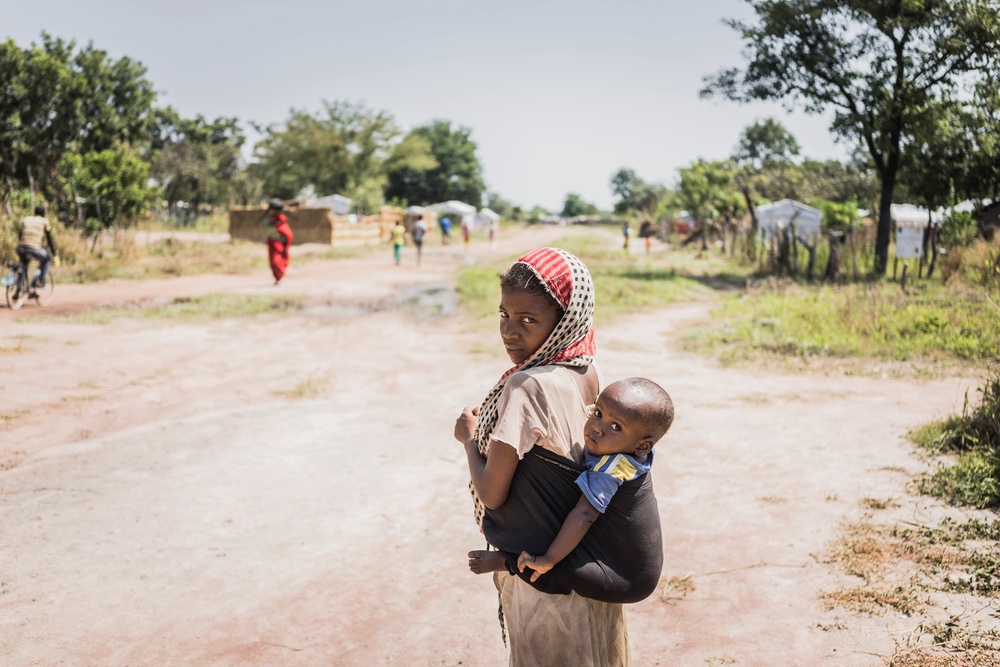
(958, 229)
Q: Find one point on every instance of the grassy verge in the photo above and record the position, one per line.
(170, 258)
(973, 438)
(933, 323)
(202, 308)
(623, 283)
(929, 571)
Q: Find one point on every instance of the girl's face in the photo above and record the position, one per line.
(526, 320)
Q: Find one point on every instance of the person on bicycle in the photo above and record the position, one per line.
(29, 243)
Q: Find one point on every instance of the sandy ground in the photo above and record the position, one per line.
(166, 500)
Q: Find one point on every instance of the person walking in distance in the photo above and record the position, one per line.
(398, 239)
(417, 231)
(279, 238)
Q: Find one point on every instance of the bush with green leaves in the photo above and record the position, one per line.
(958, 229)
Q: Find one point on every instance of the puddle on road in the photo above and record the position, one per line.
(425, 301)
(429, 300)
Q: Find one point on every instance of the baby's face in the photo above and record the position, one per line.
(611, 427)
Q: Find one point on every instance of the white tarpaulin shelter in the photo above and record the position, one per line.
(338, 204)
(486, 217)
(466, 213)
(908, 215)
(780, 214)
(453, 207)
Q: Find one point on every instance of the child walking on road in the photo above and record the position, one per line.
(398, 238)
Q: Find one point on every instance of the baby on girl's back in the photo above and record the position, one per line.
(627, 420)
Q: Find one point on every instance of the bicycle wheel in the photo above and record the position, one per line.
(16, 293)
(42, 295)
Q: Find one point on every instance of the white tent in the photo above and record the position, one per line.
(453, 207)
(908, 215)
(486, 217)
(338, 204)
(466, 213)
(780, 214)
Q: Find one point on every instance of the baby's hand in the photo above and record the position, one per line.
(539, 564)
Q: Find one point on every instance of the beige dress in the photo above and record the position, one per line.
(543, 407)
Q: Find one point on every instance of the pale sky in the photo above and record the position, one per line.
(558, 94)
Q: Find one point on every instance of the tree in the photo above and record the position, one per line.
(501, 206)
(763, 161)
(342, 149)
(634, 194)
(457, 173)
(575, 205)
(875, 63)
(113, 182)
(195, 160)
(835, 181)
(981, 179)
(706, 191)
(56, 99)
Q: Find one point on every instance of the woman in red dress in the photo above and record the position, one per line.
(279, 237)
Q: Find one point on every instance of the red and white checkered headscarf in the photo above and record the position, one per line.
(571, 342)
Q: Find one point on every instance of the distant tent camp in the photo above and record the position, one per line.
(780, 214)
(464, 212)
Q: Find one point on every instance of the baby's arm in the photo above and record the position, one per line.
(573, 529)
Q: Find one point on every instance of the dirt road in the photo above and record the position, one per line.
(286, 491)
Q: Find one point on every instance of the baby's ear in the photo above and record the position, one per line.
(644, 446)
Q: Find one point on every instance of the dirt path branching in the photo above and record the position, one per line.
(193, 474)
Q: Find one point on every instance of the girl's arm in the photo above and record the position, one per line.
(573, 529)
(491, 475)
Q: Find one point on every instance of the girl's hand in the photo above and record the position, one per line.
(465, 425)
(540, 565)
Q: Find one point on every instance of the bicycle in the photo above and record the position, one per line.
(19, 290)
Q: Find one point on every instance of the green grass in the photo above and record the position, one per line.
(974, 438)
(875, 321)
(623, 283)
(207, 307)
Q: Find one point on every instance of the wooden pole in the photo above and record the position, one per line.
(854, 256)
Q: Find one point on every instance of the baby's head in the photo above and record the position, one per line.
(629, 417)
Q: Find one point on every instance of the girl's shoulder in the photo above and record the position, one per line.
(551, 380)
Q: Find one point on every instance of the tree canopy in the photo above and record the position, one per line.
(456, 173)
(706, 191)
(195, 160)
(634, 194)
(113, 183)
(876, 64)
(575, 205)
(339, 150)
